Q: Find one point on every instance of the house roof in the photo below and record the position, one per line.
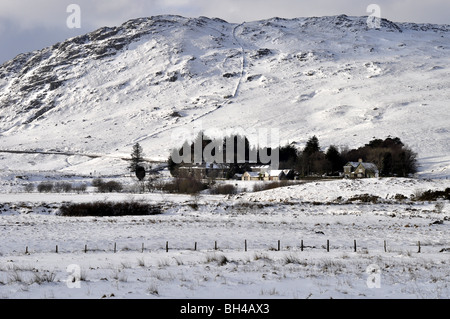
(252, 174)
(353, 164)
(367, 166)
(276, 172)
(370, 166)
(260, 166)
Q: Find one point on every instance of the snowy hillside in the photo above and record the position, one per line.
(334, 77)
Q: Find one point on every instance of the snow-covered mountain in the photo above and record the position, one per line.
(333, 77)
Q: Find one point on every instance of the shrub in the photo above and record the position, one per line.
(29, 188)
(97, 182)
(62, 187)
(430, 195)
(80, 188)
(43, 278)
(101, 209)
(153, 183)
(292, 259)
(365, 198)
(45, 187)
(221, 260)
(184, 186)
(224, 189)
(400, 197)
(110, 187)
(266, 186)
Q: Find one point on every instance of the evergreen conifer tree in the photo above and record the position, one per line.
(136, 157)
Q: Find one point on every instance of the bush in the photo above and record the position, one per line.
(29, 188)
(400, 197)
(45, 187)
(102, 209)
(62, 187)
(184, 186)
(365, 198)
(80, 188)
(110, 187)
(430, 195)
(97, 182)
(266, 186)
(224, 189)
(221, 260)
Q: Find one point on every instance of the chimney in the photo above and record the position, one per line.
(360, 160)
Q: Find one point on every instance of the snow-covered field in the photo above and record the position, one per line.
(141, 267)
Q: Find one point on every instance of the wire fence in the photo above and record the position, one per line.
(245, 246)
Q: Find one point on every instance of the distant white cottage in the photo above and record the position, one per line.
(252, 176)
(276, 175)
(270, 175)
(360, 169)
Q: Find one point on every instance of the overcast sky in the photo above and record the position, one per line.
(27, 25)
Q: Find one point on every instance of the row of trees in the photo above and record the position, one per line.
(235, 151)
(391, 156)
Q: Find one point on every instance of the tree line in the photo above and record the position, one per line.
(391, 156)
(235, 152)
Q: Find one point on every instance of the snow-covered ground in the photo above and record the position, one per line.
(344, 189)
(29, 223)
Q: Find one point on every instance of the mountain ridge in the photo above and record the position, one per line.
(151, 76)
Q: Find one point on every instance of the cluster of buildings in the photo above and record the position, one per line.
(358, 169)
(264, 173)
(220, 171)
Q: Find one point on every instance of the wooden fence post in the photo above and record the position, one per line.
(56, 248)
(385, 246)
(195, 246)
(354, 245)
(215, 245)
(26, 250)
(167, 246)
(279, 245)
(142, 250)
(245, 244)
(328, 245)
(419, 247)
(301, 245)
